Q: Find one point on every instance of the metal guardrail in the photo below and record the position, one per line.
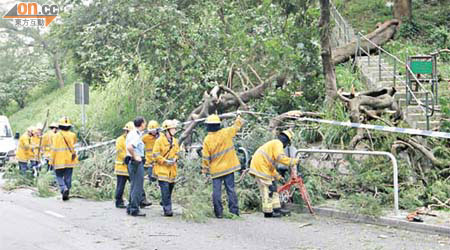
(428, 111)
(345, 31)
(356, 152)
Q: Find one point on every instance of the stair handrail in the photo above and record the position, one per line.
(409, 90)
(341, 23)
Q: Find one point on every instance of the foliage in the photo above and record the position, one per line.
(22, 69)
(44, 182)
(189, 47)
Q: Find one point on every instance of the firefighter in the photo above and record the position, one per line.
(35, 141)
(24, 150)
(47, 142)
(149, 141)
(136, 152)
(165, 153)
(263, 168)
(63, 156)
(221, 161)
(120, 168)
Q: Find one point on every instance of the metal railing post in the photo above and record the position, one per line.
(368, 55)
(426, 111)
(357, 48)
(408, 83)
(381, 153)
(395, 71)
(379, 64)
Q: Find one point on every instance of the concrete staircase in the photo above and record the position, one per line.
(414, 114)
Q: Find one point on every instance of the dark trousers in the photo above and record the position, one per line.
(120, 187)
(23, 166)
(149, 172)
(233, 205)
(136, 172)
(166, 195)
(64, 178)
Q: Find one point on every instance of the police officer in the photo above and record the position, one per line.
(136, 151)
(221, 161)
(63, 156)
(263, 167)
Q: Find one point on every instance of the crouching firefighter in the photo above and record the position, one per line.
(63, 156)
(165, 153)
(120, 167)
(221, 161)
(263, 168)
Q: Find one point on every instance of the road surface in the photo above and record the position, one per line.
(29, 222)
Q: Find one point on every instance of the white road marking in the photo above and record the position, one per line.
(54, 214)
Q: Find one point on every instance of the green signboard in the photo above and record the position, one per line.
(422, 67)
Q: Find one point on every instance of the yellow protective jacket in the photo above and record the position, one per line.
(24, 151)
(266, 158)
(149, 141)
(35, 148)
(60, 152)
(47, 143)
(163, 151)
(219, 155)
(120, 168)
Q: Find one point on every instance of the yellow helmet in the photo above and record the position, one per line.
(288, 133)
(53, 125)
(152, 125)
(213, 119)
(65, 122)
(129, 126)
(38, 127)
(168, 124)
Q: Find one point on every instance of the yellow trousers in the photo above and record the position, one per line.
(268, 203)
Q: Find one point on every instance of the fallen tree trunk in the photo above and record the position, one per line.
(380, 36)
(370, 105)
(216, 99)
(290, 115)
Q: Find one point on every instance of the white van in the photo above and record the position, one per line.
(8, 143)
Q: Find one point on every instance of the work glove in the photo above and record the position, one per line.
(170, 162)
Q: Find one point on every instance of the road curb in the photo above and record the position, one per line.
(381, 221)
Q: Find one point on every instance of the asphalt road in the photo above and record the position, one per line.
(29, 222)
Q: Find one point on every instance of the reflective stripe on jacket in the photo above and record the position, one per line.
(266, 158)
(120, 168)
(161, 153)
(61, 153)
(24, 151)
(219, 155)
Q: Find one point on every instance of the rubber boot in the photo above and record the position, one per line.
(276, 213)
(145, 203)
(268, 215)
(65, 195)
